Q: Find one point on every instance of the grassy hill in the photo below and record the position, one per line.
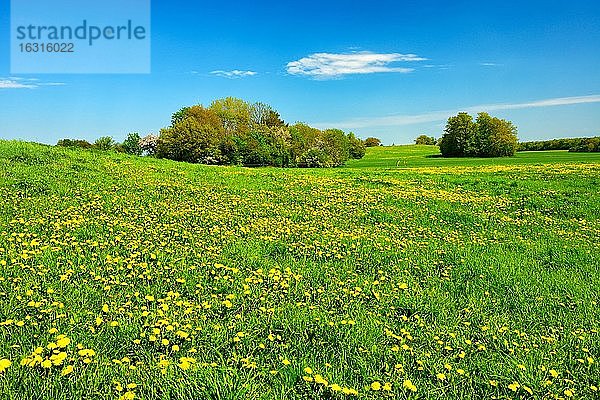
(424, 278)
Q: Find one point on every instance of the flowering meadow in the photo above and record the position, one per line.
(399, 276)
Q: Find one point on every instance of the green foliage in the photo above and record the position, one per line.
(372, 142)
(458, 137)
(194, 138)
(486, 137)
(84, 144)
(235, 114)
(314, 158)
(232, 131)
(426, 140)
(356, 147)
(148, 144)
(131, 145)
(591, 144)
(104, 143)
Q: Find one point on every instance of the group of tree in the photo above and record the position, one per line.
(424, 139)
(133, 144)
(232, 131)
(486, 136)
(572, 144)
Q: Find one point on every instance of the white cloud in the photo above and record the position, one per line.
(236, 73)
(15, 84)
(401, 120)
(25, 83)
(331, 65)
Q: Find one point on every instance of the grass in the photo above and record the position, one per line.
(431, 279)
(413, 156)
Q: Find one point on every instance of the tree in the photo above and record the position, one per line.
(148, 144)
(104, 143)
(495, 137)
(356, 147)
(457, 140)
(336, 145)
(424, 139)
(190, 140)
(234, 113)
(372, 142)
(131, 145)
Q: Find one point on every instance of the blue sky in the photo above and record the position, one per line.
(391, 69)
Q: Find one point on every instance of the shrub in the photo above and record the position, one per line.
(84, 144)
(424, 139)
(356, 147)
(314, 158)
(131, 145)
(148, 144)
(372, 142)
(104, 143)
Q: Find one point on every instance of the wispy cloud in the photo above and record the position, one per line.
(489, 64)
(236, 73)
(331, 65)
(434, 116)
(25, 83)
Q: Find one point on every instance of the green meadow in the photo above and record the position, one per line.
(402, 275)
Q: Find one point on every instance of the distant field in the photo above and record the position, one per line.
(399, 276)
(410, 156)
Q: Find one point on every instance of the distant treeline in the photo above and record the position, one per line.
(232, 131)
(573, 144)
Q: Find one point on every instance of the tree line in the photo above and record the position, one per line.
(231, 131)
(591, 144)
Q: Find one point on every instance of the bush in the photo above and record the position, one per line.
(314, 158)
(104, 143)
(84, 144)
(356, 147)
(424, 139)
(131, 145)
(372, 142)
(148, 144)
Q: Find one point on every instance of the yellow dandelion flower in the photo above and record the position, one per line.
(63, 342)
(127, 396)
(336, 388)
(320, 380)
(409, 385)
(4, 364)
(67, 370)
(375, 386)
